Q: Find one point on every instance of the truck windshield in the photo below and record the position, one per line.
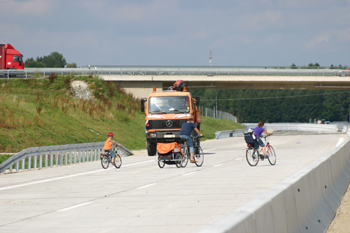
(169, 104)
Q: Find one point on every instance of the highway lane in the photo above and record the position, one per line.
(142, 197)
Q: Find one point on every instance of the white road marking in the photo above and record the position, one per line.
(238, 159)
(145, 186)
(74, 206)
(218, 165)
(340, 141)
(187, 174)
(66, 177)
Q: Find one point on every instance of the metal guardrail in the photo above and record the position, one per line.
(175, 70)
(49, 156)
(229, 133)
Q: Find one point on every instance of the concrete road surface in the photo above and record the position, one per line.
(141, 197)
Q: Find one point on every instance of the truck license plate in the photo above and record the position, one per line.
(169, 136)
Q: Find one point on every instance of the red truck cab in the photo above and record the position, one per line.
(10, 58)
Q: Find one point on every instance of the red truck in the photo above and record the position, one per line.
(10, 58)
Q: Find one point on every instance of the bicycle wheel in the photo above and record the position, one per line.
(271, 155)
(117, 161)
(199, 157)
(104, 161)
(252, 157)
(185, 156)
(178, 160)
(161, 163)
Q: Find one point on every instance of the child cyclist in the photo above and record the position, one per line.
(108, 146)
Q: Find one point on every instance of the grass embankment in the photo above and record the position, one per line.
(43, 112)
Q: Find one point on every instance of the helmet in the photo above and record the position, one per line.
(110, 134)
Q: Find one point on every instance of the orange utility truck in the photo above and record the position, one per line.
(165, 112)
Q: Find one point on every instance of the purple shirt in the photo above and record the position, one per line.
(258, 131)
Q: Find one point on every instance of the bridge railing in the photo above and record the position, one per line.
(173, 70)
(49, 156)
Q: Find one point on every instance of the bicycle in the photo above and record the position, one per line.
(253, 154)
(106, 159)
(198, 153)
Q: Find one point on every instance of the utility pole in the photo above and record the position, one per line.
(216, 106)
(210, 57)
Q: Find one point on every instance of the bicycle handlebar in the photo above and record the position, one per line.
(267, 135)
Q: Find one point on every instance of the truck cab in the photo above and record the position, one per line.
(10, 58)
(165, 112)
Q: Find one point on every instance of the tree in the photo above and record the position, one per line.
(54, 60)
(71, 65)
(293, 66)
(30, 62)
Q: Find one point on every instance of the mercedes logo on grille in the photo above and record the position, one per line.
(169, 123)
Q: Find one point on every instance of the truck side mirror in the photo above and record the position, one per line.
(143, 104)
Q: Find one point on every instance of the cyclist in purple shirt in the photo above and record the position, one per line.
(257, 132)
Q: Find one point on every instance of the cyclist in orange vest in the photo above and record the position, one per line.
(108, 146)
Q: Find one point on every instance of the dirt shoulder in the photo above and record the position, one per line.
(341, 223)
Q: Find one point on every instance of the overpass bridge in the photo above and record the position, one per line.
(142, 85)
(140, 80)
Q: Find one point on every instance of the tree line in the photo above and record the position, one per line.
(278, 105)
(317, 66)
(53, 60)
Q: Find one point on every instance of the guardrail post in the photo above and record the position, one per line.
(79, 156)
(75, 154)
(23, 164)
(46, 158)
(41, 161)
(17, 166)
(56, 156)
(29, 162)
(35, 161)
(61, 158)
(70, 157)
(65, 158)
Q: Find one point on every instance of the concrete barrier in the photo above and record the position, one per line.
(229, 133)
(318, 128)
(305, 202)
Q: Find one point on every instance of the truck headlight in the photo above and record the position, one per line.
(152, 135)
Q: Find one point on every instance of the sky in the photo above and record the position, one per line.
(180, 32)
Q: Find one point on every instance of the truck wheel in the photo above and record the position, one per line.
(151, 149)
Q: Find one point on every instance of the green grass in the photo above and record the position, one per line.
(3, 158)
(210, 125)
(43, 112)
